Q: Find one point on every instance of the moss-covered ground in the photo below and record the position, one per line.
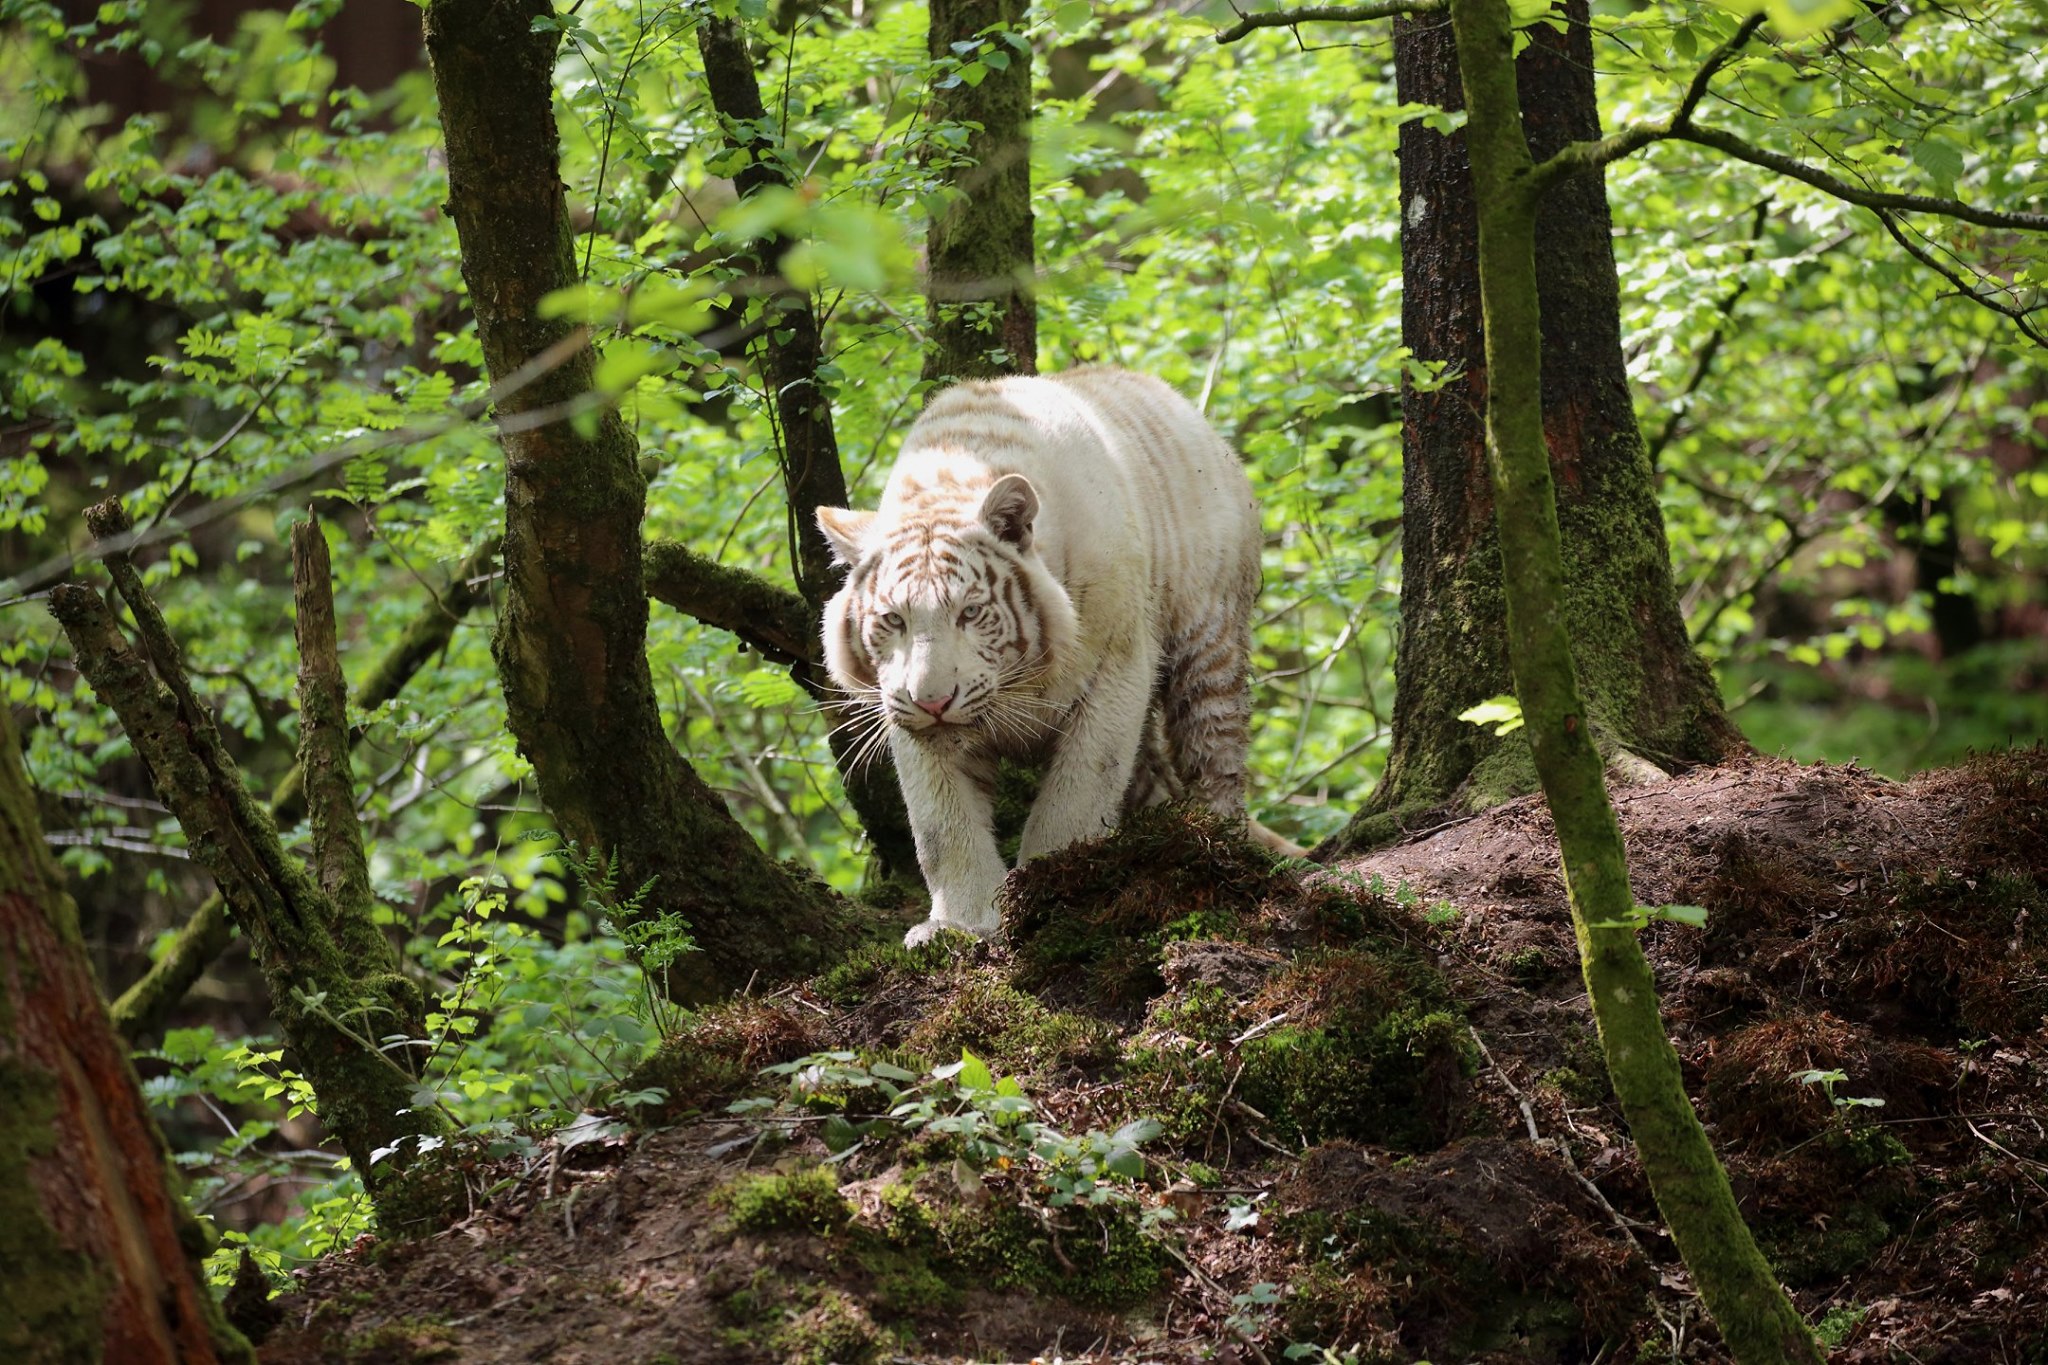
(1373, 1114)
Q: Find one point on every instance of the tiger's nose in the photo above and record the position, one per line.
(935, 709)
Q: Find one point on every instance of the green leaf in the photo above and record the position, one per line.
(1126, 1162)
(1069, 17)
(1503, 713)
(1941, 160)
(1795, 18)
(629, 361)
(974, 1072)
(1138, 1132)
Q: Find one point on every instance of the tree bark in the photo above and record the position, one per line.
(99, 1259)
(142, 1008)
(1756, 1318)
(571, 644)
(791, 348)
(334, 982)
(1649, 693)
(979, 251)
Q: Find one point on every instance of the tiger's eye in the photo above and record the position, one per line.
(969, 612)
(892, 620)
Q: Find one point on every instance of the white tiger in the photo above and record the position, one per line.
(1063, 570)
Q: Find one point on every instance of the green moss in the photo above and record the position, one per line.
(853, 981)
(834, 1331)
(1008, 1029)
(1098, 1258)
(905, 1282)
(718, 1055)
(1377, 1054)
(1834, 1329)
(1181, 1081)
(426, 1193)
(807, 1201)
(1574, 1086)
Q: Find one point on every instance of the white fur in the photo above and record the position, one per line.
(1135, 526)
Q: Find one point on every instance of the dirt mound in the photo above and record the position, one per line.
(1203, 1106)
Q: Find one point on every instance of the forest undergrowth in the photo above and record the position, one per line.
(1203, 1106)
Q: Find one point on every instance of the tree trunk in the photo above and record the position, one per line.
(335, 985)
(98, 1256)
(1649, 694)
(1756, 1318)
(142, 1008)
(571, 645)
(979, 251)
(790, 349)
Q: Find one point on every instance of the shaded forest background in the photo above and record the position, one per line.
(233, 295)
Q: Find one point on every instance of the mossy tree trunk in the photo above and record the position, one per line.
(98, 1258)
(789, 348)
(571, 644)
(142, 1008)
(1649, 694)
(1756, 1319)
(979, 251)
(334, 981)
(335, 985)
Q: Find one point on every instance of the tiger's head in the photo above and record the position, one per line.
(949, 620)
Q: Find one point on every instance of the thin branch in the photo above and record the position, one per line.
(1326, 14)
(1716, 59)
(1579, 157)
(1576, 158)
(1704, 361)
(798, 408)
(2016, 314)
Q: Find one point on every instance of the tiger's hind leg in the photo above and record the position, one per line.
(1153, 780)
(1206, 707)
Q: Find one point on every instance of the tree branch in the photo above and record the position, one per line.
(792, 349)
(2017, 315)
(1581, 157)
(339, 863)
(770, 619)
(1326, 14)
(1702, 363)
(1716, 59)
(315, 974)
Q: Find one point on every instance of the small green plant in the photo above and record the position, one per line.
(1503, 713)
(1251, 1311)
(984, 1118)
(1644, 915)
(1322, 1355)
(1835, 1328)
(653, 942)
(1828, 1080)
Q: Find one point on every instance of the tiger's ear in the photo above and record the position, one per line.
(846, 532)
(1009, 509)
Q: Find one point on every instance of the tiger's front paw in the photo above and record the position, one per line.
(931, 928)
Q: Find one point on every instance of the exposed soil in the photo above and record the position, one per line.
(1386, 1126)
